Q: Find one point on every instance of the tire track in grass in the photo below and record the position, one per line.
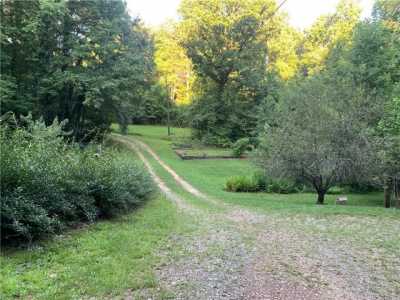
(217, 262)
(159, 182)
(281, 262)
(233, 213)
(182, 182)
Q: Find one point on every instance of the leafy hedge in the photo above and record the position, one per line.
(48, 185)
(242, 145)
(240, 184)
(259, 183)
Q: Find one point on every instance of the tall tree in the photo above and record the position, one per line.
(326, 33)
(85, 61)
(18, 56)
(283, 51)
(225, 41)
(173, 67)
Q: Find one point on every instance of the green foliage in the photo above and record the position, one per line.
(316, 136)
(374, 57)
(325, 34)
(375, 65)
(258, 182)
(225, 41)
(283, 186)
(241, 146)
(173, 66)
(240, 184)
(85, 61)
(53, 185)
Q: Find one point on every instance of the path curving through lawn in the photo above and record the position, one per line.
(242, 254)
(157, 180)
(182, 182)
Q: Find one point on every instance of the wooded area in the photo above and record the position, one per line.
(323, 104)
(184, 161)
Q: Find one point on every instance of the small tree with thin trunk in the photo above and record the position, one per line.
(317, 136)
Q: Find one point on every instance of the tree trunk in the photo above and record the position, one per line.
(396, 188)
(169, 100)
(387, 190)
(168, 123)
(321, 197)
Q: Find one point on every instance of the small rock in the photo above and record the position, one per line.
(341, 200)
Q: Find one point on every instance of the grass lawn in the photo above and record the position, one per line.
(361, 237)
(210, 176)
(106, 259)
(100, 260)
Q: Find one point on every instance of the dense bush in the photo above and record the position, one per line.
(241, 146)
(256, 183)
(47, 185)
(240, 184)
(283, 187)
(259, 183)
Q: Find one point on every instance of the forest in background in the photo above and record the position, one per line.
(320, 105)
(184, 161)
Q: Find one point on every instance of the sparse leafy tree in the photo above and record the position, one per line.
(316, 137)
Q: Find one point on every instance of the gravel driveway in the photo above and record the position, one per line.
(242, 254)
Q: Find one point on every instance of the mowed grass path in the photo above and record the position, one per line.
(362, 238)
(210, 176)
(112, 258)
(353, 249)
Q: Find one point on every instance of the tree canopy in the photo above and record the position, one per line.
(226, 42)
(323, 103)
(85, 61)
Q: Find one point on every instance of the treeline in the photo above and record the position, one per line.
(341, 124)
(88, 62)
(323, 104)
(73, 67)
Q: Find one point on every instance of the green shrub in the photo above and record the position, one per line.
(118, 184)
(47, 185)
(283, 186)
(240, 184)
(336, 190)
(256, 183)
(260, 181)
(241, 146)
(361, 188)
